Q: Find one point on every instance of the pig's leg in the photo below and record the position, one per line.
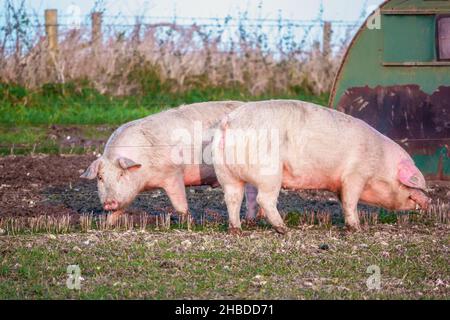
(350, 193)
(234, 194)
(250, 198)
(267, 200)
(176, 191)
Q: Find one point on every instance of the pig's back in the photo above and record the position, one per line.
(292, 116)
(312, 138)
(206, 112)
(154, 132)
(160, 124)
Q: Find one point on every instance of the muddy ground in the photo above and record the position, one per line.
(50, 185)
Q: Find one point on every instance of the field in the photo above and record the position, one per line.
(309, 263)
(63, 94)
(51, 219)
(70, 119)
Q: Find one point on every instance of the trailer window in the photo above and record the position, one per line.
(443, 37)
(409, 38)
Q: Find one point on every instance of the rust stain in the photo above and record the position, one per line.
(416, 120)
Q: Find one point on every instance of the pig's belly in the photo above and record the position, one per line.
(309, 180)
(199, 175)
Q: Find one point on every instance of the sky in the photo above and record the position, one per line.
(122, 13)
(347, 10)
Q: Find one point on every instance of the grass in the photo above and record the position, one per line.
(156, 260)
(69, 105)
(23, 140)
(27, 117)
(316, 260)
(179, 264)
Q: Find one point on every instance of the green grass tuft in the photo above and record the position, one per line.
(67, 105)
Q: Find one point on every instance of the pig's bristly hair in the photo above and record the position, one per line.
(153, 133)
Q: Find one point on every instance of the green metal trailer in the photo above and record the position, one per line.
(395, 76)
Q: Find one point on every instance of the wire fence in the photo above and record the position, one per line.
(110, 50)
(27, 29)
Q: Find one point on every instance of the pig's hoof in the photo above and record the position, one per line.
(235, 231)
(281, 229)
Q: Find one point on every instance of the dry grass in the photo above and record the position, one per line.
(310, 218)
(437, 214)
(176, 56)
(43, 223)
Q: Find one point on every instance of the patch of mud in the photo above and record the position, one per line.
(33, 186)
(69, 136)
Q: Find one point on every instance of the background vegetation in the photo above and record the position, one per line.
(125, 72)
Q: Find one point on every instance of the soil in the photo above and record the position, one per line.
(68, 136)
(38, 185)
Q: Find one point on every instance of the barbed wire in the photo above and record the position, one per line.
(130, 25)
(234, 51)
(213, 26)
(195, 18)
(198, 21)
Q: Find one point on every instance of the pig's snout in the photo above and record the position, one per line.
(425, 204)
(422, 200)
(111, 205)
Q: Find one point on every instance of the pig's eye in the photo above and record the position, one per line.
(121, 174)
(100, 178)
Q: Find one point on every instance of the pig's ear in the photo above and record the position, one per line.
(92, 171)
(410, 176)
(126, 163)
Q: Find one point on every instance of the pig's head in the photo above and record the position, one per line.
(117, 181)
(412, 187)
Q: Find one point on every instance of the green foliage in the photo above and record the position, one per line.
(12, 93)
(148, 76)
(292, 219)
(386, 216)
(78, 103)
(26, 116)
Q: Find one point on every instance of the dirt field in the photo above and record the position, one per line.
(33, 186)
(50, 185)
(314, 261)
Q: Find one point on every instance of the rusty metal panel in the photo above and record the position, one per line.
(419, 122)
(403, 91)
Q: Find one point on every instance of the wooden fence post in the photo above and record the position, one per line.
(326, 41)
(96, 36)
(136, 35)
(51, 29)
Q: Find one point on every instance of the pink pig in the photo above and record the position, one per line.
(314, 148)
(139, 156)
